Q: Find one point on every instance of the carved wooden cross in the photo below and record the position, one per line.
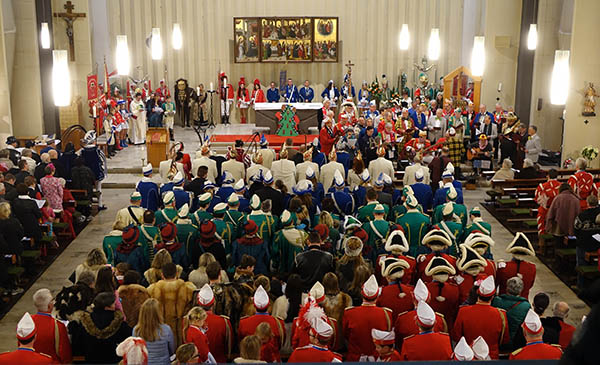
(69, 17)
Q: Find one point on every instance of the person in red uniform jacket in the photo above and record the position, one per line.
(248, 324)
(384, 346)
(220, 332)
(535, 349)
(243, 100)
(397, 245)
(47, 326)
(427, 345)
(482, 243)
(406, 323)
(358, 322)
(481, 319)
(471, 266)
(301, 325)
(444, 293)
(395, 296)
(195, 332)
(437, 240)
(163, 90)
(25, 353)
(327, 136)
(520, 248)
(258, 96)
(319, 337)
(582, 182)
(544, 194)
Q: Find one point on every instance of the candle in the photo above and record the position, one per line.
(198, 90)
(211, 86)
(94, 111)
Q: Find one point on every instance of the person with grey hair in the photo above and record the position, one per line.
(556, 324)
(409, 172)
(46, 325)
(505, 172)
(529, 171)
(533, 146)
(515, 305)
(40, 169)
(581, 182)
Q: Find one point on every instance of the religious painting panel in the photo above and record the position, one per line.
(326, 40)
(246, 35)
(286, 39)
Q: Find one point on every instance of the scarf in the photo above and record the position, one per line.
(126, 248)
(250, 241)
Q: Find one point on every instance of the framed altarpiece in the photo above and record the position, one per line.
(285, 39)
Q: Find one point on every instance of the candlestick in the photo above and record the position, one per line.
(211, 86)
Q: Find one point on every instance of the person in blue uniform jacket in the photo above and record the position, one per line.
(307, 93)
(148, 189)
(422, 191)
(347, 90)
(290, 92)
(181, 196)
(272, 94)
(331, 92)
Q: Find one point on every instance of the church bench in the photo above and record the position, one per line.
(530, 223)
(589, 272)
(521, 211)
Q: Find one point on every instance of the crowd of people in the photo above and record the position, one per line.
(35, 195)
(300, 256)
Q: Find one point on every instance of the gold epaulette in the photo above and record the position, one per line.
(349, 308)
(387, 309)
(278, 317)
(557, 346)
(224, 316)
(407, 337)
(244, 317)
(517, 351)
(439, 314)
(333, 320)
(444, 333)
(401, 314)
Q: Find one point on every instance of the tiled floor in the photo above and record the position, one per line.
(56, 275)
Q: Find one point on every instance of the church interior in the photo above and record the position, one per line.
(175, 175)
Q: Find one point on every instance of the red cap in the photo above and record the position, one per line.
(207, 229)
(168, 231)
(323, 231)
(250, 227)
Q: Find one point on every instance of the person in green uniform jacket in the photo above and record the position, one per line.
(187, 232)
(169, 213)
(287, 243)
(267, 224)
(202, 213)
(459, 209)
(110, 243)
(365, 213)
(450, 225)
(332, 243)
(149, 237)
(477, 224)
(414, 223)
(224, 229)
(377, 232)
(234, 216)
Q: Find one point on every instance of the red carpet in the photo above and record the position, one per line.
(274, 140)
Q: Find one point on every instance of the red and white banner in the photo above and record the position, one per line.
(92, 87)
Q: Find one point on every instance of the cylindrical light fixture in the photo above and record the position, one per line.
(404, 40)
(434, 44)
(45, 36)
(156, 44)
(532, 37)
(478, 56)
(122, 56)
(61, 80)
(177, 37)
(559, 86)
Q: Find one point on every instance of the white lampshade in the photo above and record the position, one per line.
(177, 37)
(559, 86)
(45, 36)
(532, 37)
(122, 57)
(156, 44)
(434, 44)
(61, 80)
(404, 40)
(478, 56)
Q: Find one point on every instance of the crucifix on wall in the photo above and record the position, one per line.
(69, 17)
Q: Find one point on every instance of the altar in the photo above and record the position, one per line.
(306, 112)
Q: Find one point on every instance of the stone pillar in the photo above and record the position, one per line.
(584, 68)
(5, 114)
(502, 33)
(26, 96)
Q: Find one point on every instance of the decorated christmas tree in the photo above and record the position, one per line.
(287, 121)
